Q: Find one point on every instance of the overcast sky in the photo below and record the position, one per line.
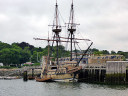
(105, 22)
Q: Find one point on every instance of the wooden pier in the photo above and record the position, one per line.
(111, 72)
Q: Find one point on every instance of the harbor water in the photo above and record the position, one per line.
(18, 87)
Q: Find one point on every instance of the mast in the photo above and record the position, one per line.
(71, 27)
(56, 29)
(48, 58)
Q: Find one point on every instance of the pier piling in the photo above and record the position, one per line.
(113, 72)
(25, 76)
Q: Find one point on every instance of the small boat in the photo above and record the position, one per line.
(9, 77)
(31, 77)
(43, 79)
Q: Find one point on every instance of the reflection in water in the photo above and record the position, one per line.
(33, 88)
(118, 87)
(63, 85)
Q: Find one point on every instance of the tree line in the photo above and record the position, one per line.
(18, 53)
(100, 52)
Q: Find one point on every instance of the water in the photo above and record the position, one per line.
(33, 88)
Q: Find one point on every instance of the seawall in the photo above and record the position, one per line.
(19, 71)
(112, 72)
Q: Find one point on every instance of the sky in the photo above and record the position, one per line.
(105, 22)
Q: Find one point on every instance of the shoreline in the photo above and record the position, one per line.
(17, 72)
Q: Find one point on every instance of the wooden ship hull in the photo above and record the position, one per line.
(61, 71)
(62, 74)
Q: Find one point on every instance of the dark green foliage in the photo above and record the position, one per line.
(125, 54)
(113, 52)
(4, 45)
(36, 64)
(25, 56)
(24, 45)
(53, 51)
(95, 50)
(13, 54)
(6, 67)
(36, 57)
(105, 52)
(98, 52)
(18, 53)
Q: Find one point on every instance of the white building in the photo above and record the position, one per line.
(1, 64)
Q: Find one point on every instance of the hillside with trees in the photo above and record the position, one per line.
(99, 52)
(19, 53)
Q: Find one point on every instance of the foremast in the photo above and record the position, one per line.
(56, 30)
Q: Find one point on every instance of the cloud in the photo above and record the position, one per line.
(103, 21)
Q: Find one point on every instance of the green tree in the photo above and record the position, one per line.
(94, 50)
(98, 53)
(105, 52)
(125, 54)
(4, 45)
(36, 57)
(113, 52)
(5, 56)
(9, 56)
(24, 56)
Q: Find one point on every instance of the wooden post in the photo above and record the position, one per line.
(32, 73)
(25, 76)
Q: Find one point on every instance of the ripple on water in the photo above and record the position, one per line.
(33, 88)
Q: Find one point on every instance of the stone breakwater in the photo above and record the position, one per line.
(18, 71)
(10, 72)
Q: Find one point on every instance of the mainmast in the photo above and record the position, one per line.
(56, 29)
(71, 27)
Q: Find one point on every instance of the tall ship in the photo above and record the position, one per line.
(63, 69)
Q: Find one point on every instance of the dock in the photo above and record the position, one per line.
(111, 72)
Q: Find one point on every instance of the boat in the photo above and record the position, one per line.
(31, 77)
(44, 79)
(9, 77)
(58, 70)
